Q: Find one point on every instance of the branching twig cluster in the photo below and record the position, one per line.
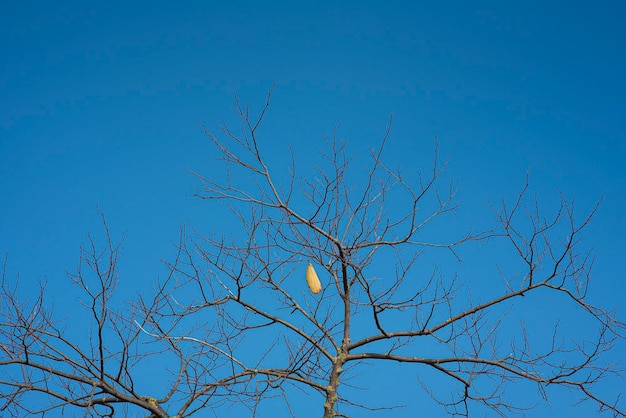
(234, 323)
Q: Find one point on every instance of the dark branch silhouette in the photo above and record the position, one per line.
(234, 323)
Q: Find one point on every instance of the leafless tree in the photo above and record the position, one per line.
(234, 323)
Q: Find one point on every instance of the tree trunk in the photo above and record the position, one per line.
(333, 384)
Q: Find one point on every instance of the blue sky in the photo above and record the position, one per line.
(101, 104)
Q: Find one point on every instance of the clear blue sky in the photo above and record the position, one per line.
(100, 104)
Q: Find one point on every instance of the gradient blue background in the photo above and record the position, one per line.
(100, 105)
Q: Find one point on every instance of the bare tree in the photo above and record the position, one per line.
(234, 323)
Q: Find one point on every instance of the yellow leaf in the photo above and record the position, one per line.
(312, 280)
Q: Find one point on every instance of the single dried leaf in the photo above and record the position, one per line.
(312, 280)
